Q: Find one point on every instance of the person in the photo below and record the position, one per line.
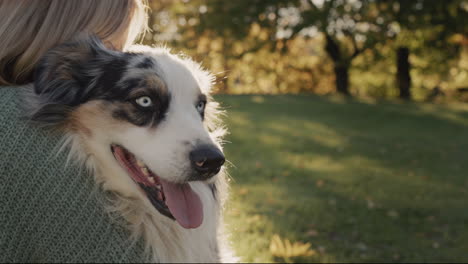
(51, 210)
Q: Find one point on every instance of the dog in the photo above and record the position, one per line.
(144, 124)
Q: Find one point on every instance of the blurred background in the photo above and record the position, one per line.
(348, 121)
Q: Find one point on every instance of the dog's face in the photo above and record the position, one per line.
(140, 113)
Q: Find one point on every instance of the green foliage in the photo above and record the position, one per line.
(359, 181)
(269, 46)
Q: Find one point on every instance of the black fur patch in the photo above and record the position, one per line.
(78, 72)
(131, 83)
(112, 72)
(52, 113)
(131, 112)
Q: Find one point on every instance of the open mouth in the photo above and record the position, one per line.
(177, 201)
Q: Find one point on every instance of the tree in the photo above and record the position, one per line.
(403, 72)
(349, 27)
(223, 33)
(436, 21)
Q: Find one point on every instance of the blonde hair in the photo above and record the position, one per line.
(28, 28)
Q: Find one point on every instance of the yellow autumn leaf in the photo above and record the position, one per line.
(283, 248)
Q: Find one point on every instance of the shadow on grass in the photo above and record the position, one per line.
(361, 182)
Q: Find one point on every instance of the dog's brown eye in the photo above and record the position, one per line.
(144, 101)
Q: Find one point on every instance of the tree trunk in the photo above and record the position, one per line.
(342, 79)
(340, 66)
(403, 73)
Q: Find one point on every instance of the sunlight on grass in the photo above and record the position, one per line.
(451, 113)
(359, 182)
(317, 163)
(307, 129)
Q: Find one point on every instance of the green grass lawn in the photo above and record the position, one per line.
(359, 181)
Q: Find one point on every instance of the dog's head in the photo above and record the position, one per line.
(142, 114)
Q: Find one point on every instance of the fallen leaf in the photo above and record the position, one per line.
(280, 212)
(420, 234)
(283, 248)
(233, 212)
(254, 218)
(361, 246)
(370, 204)
(393, 214)
(319, 183)
(321, 249)
(243, 191)
(312, 233)
(258, 99)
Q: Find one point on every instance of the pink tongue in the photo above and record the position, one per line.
(184, 204)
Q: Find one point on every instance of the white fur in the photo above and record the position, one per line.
(164, 150)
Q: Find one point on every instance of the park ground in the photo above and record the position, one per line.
(332, 179)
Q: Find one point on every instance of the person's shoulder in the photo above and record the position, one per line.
(8, 96)
(23, 145)
(12, 119)
(23, 141)
(26, 148)
(13, 90)
(57, 203)
(10, 101)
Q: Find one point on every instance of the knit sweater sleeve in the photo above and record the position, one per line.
(50, 211)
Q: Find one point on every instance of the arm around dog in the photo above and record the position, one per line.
(49, 211)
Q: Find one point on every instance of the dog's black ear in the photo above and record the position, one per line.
(62, 79)
(61, 74)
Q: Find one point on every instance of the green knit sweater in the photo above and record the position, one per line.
(50, 212)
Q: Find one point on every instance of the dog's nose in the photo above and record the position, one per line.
(206, 160)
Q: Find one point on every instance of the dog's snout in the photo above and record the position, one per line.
(207, 161)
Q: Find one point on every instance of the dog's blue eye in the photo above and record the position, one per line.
(201, 106)
(144, 101)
